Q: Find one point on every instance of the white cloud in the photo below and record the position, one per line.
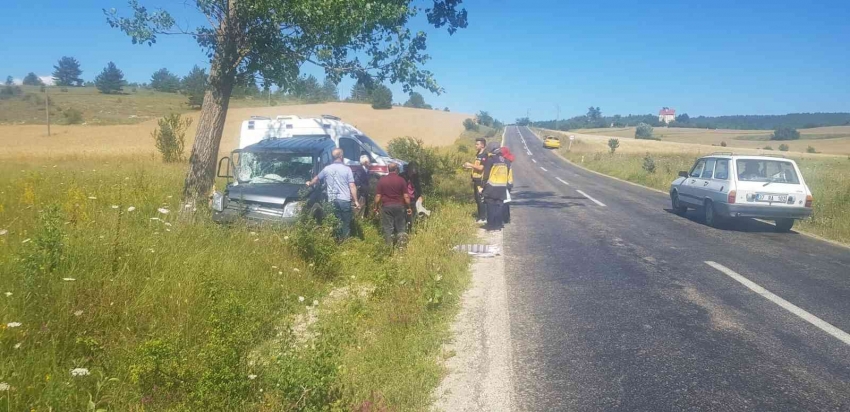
(48, 80)
(17, 81)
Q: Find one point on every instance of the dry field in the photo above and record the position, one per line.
(831, 140)
(24, 141)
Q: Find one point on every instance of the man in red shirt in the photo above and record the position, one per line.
(392, 199)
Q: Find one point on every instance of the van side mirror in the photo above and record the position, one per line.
(683, 174)
(227, 168)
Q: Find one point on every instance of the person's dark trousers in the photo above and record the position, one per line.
(411, 218)
(342, 211)
(479, 200)
(363, 193)
(494, 214)
(506, 212)
(393, 221)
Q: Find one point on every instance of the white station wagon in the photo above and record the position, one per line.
(732, 186)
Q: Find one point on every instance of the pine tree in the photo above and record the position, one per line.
(382, 97)
(359, 93)
(67, 72)
(110, 80)
(195, 85)
(164, 81)
(32, 80)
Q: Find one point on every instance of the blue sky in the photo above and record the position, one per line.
(705, 58)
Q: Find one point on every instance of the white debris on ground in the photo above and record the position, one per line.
(479, 373)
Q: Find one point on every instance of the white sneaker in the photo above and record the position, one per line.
(481, 221)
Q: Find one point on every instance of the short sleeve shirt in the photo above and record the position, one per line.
(392, 188)
(337, 177)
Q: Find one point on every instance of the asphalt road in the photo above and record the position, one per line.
(613, 306)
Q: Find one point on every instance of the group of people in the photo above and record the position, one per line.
(492, 182)
(397, 197)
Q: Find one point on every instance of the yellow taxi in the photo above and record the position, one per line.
(551, 142)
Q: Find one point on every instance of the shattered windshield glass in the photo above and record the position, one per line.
(274, 168)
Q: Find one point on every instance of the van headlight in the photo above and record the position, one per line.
(218, 201)
(292, 209)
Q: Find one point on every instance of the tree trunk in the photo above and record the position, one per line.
(203, 160)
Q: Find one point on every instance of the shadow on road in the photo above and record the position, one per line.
(744, 225)
(545, 200)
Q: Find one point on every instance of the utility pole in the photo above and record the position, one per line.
(558, 116)
(47, 108)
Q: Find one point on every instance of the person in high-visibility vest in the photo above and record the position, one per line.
(477, 173)
(496, 178)
(506, 206)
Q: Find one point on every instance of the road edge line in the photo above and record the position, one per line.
(784, 304)
(797, 231)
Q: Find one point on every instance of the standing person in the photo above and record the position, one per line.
(391, 199)
(339, 182)
(506, 206)
(495, 180)
(361, 180)
(477, 174)
(414, 190)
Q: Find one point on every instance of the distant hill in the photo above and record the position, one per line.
(738, 122)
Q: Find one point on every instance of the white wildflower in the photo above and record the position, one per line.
(252, 233)
(296, 270)
(92, 198)
(252, 377)
(131, 208)
(79, 372)
(69, 279)
(256, 240)
(274, 267)
(315, 303)
(8, 294)
(18, 345)
(26, 240)
(4, 386)
(115, 206)
(188, 205)
(301, 298)
(155, 218)
(162, 210)
(286, 238)
(311, 265)
(280, 273)
(170, 196)
(13, 324)
(78, 313)
(3, 232)
(167, 224)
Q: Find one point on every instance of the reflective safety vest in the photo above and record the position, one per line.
(500, 175)
(479, 161)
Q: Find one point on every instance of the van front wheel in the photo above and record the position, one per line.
(784, 225)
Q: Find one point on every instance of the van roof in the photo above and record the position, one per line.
(754, 157)
(296, 144)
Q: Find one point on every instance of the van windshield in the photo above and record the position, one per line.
(274, 168)
(371, 145)
(773, 171)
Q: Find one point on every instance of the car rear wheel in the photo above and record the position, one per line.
(678, 207)
(710, 214)
(784, 225)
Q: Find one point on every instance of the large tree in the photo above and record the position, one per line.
(67, 72)
(416, 100)
(364, 39)
(110, 80)
(194, 85)
(359, 93)
(32, 80)
(382, 97)
(330, 93)
(165, 81)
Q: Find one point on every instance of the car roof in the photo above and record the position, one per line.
(748, 157)
(304, 144)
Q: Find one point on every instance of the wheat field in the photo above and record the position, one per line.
(434, 127)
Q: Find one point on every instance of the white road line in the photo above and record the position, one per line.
(591, 199)
(808, 317)
(543, 169)
(562, 181)
(534, 160)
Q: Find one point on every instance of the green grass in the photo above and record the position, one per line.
(96, 108)
(827, 178)
(175, 316)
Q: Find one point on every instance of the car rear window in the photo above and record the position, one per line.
(759, 170)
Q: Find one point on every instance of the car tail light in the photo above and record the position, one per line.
(378, 169)
(732, 195)
(809, 200)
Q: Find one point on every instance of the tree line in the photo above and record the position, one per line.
(594, 119)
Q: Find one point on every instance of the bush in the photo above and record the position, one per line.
(643, 131)
(783, 147)
(723, 144)
(470, 124)
(462, 148)
(613, 144)
(768, 148)
(811, 149)
(170, 137)
(785, 133)
(648, 163)
(429, 160)
(382, 98)
(73, 116)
